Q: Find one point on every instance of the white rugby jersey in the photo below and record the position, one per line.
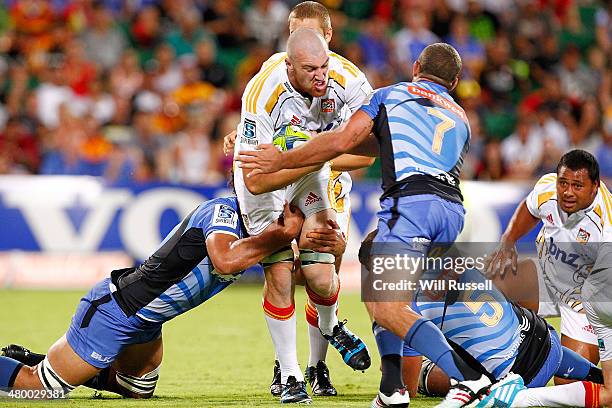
(270, 102)
(568, 245)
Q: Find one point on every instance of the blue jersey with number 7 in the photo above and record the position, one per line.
(423, 134)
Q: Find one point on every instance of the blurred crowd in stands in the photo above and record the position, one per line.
(145, 90)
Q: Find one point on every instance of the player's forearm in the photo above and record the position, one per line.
(265, 183)
(348, 162)
(317, 151)
(521, 223)
(368, 147)
(246, 252)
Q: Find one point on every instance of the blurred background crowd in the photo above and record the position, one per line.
(145, 90)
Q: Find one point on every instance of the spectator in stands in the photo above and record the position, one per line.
(604, 152)
(603, 20)
(471, 51)
(168, 74)
(193, 163)
(522, 151)
(103, 41)
(126, 78)
(267, 21)
(226, 22)
(578, 81)
(78, 70)
(34, 21)
(52, 93)
(546, 59)
(100, 104)
(492, 167)
(374, 45)
(145, 32)
(188, 33)
(20, 147)
(414, 36)
(211, 71)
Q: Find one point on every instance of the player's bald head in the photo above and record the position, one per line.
(305, 41)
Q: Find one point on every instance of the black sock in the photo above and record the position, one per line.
(391, 373)
(31, 359)
(100, 381)
(595, 375)
(469, 373)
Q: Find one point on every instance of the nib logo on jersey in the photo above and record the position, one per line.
(311, 199)
(549, 218)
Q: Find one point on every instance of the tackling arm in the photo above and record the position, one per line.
(259, 183)
(231, 255)
(329, 145)
(348, 162)
(326, 146)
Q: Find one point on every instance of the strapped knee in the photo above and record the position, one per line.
(310, 257)
(50, 380)
(426, 366)
(142, 386)
(283, 255)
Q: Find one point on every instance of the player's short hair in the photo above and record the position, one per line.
(440, 62)
(312, 9)
(580, 159)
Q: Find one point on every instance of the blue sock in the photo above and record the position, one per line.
(573, 365)
(428, 340)
(387, 342)
(8, 371)
(390, 349)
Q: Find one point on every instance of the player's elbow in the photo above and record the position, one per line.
(255, 188)
(368, 161)
(255, 185)
(227, 267)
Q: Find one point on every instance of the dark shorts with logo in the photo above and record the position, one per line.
(100, 330)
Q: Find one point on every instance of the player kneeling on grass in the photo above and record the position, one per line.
(114, 342)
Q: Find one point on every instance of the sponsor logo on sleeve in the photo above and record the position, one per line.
(249, 132)
(225, 216)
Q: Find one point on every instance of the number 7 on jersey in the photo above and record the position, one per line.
(441, 128)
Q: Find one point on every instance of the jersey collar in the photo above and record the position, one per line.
(435, 85)
(578, 216)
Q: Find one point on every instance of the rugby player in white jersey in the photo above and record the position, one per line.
(574, 247)
(311, 89)
(313, 15)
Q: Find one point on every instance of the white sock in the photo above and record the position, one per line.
(566, 395)
(318, 346)
(283, 338)
(327, 317)
(326, 308)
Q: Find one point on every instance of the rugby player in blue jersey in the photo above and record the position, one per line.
(422, 136)
(497, 336)
(114, 341)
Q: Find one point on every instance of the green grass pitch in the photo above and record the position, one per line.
(218, 355)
